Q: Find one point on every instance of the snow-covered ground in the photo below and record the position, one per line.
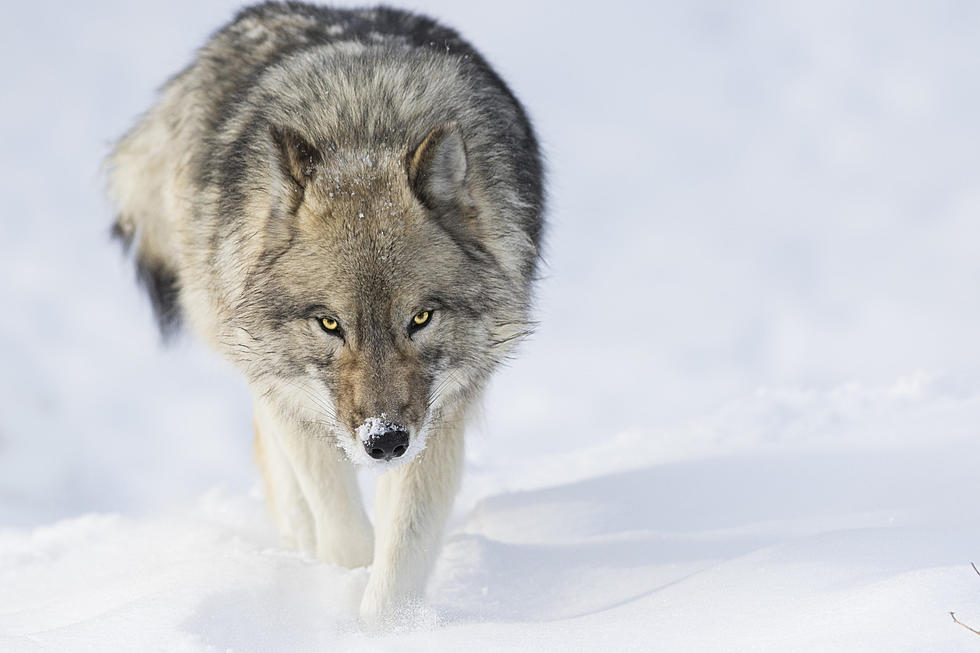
(749, 420)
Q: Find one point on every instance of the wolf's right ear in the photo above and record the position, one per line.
(299, 159)
(437, 167)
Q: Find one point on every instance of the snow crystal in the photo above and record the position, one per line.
(374, 426)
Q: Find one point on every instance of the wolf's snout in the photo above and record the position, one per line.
(387, 445)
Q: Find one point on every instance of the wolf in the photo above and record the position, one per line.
(347, 205)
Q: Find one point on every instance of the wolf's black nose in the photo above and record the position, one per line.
(387, 445)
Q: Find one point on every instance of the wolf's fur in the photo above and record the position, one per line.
(362, 166)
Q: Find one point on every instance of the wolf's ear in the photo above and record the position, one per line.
(437, 167)
(298, 158)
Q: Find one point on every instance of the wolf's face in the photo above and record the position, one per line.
(374, 307)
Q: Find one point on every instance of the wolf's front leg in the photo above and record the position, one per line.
(328, 482)
(411, 507)
(284, 498)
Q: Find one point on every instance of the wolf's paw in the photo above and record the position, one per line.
(380, 613)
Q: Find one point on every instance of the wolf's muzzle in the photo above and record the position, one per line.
(387, 445)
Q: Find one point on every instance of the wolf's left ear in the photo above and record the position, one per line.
(298, 158)
(437, 167)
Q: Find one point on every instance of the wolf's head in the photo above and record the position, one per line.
(382, 289)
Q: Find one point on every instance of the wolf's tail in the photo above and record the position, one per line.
(142, 184)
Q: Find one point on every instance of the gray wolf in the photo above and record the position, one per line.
(347, 205)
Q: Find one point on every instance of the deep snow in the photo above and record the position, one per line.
(747, 422)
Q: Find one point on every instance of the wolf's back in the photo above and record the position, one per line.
(356, 78)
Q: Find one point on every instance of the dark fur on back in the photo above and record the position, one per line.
(421, 32)
(235, 62)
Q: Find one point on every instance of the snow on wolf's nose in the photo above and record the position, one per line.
(382, 439)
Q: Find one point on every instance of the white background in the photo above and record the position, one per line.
(748, 419)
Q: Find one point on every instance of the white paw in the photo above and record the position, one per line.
(376, 608)
(381, 611)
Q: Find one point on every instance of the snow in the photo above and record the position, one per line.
(372, 427)
(748, 420)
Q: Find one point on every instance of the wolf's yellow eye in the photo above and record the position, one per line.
(420, 318)
(329, 323)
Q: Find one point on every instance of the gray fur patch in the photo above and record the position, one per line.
(356, 165)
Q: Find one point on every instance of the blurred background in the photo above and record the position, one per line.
(764, 224)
